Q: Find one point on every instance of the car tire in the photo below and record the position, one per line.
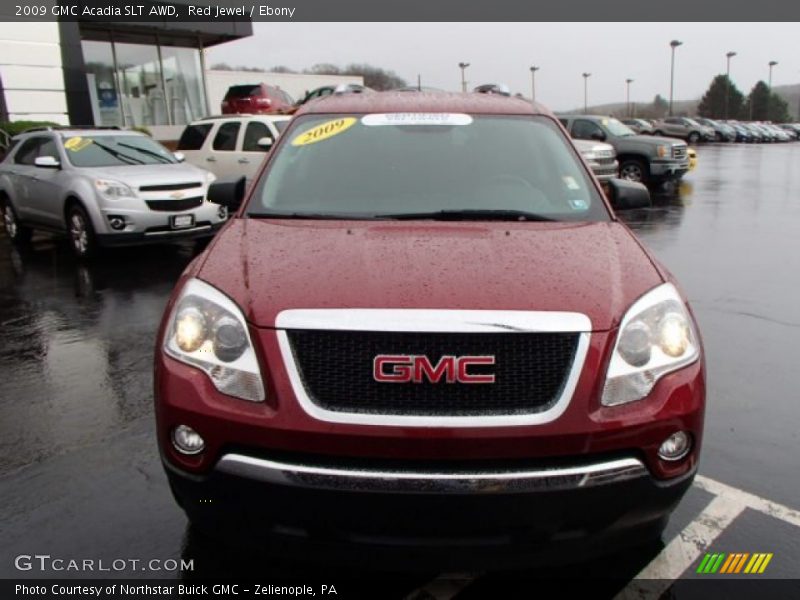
(718, 137)
(82, 238)
(634, 169)
(693, 138)
(17, 233)
(658, 133)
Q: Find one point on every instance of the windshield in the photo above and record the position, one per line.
(115, 151)
(405, 165)
(242, 91)
(616, 128)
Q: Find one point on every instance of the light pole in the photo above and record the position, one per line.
(586, 93)
(673, 44)
(628, 83)
(533, 84)
(772, 63)
(729, 56)
(463, 66)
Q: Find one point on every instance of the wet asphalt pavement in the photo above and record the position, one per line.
(79, 468)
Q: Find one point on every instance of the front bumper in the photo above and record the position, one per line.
(669, 169)
(514, 516)
(159, 235)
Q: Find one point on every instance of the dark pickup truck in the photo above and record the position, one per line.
(647, 159)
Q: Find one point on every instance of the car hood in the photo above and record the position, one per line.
(139, 175)
(268, 266)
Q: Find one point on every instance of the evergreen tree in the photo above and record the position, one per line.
(764, 105)
(713, 104)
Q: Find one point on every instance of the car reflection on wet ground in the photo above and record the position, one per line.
(79, 468)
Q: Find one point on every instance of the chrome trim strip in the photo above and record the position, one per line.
(515, 420)
(432, 320)
(177, 231)
(489, 482)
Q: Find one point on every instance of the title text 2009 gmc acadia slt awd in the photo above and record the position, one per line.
(425, 327)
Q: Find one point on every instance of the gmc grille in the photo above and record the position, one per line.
(679, 152)
(336, 369)
(175, 205)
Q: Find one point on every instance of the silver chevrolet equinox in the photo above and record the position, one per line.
(103, 187)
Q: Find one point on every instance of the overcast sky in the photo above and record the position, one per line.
(504, 52)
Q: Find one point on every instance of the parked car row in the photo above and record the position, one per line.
(701, 129)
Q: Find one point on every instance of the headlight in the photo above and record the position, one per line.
(663, 151)
(656, 337)
(113, 189)
(208, 331)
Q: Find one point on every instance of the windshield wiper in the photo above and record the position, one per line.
(469, 214)
(314, 216)
(163, 159)
(132, 160)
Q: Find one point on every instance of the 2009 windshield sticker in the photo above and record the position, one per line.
(379, 119)
(76, 144)
(324, 131)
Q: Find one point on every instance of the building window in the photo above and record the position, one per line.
(143, 84)
(101, 79)
(183, 75)
(142, 95)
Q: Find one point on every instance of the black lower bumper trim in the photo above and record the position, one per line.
(453, 530)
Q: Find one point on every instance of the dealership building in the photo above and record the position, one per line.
(107, 73)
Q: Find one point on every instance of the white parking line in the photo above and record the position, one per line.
(683, 550)
(677, 556)
(773, 509)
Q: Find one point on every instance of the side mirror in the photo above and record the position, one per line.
(625, 195)
(47, 162)
(265, 143)
(179, 156)
(227, 193)
(599, 136)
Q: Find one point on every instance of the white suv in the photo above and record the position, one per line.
(231, 146)
(103, 187)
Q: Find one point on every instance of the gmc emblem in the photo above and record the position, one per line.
(410, 368)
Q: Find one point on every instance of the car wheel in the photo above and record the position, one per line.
(658, 133)
(694, 137)
(634, 170)
(81, 232)
(18, 234)
(718, 137)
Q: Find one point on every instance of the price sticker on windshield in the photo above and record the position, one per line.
(326, 130)
(76, 144)
(447, 119)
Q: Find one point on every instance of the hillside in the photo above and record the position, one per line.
(790, 93)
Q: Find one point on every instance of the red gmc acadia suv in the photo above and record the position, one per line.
(424, 327)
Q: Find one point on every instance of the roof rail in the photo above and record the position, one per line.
(493, 88)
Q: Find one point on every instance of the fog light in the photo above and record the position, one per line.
(187, 440)
(117, 223)
(675, 447)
